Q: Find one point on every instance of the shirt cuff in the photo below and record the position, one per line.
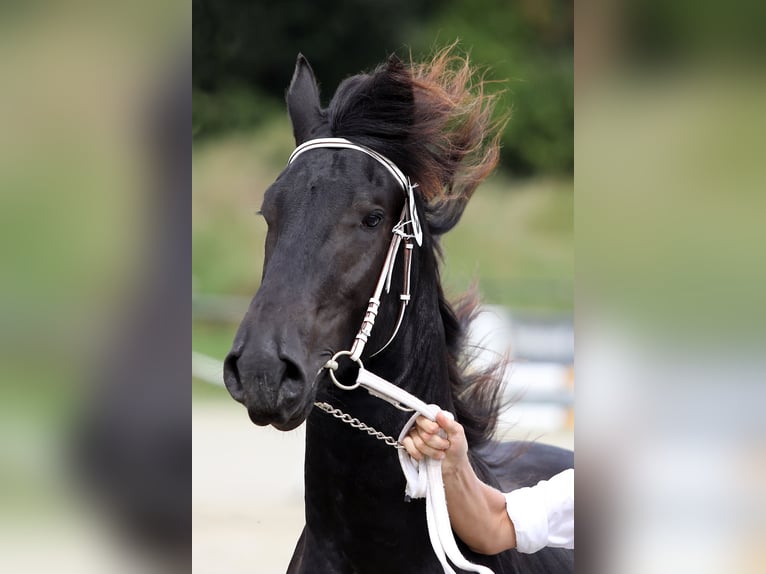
(528, 512)
(543, 515)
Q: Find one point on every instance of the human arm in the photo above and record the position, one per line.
(489, 521)
(477, 511)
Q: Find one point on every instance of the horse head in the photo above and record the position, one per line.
(329, 216)
(331, 212)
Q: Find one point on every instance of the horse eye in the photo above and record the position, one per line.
(372, 220)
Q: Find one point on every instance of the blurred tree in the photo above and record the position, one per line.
(528, 46)
(242, 41)
(244, 52)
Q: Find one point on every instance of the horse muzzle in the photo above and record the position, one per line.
(273, 388)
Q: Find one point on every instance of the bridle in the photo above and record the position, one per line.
(423, 480)
(408, 220)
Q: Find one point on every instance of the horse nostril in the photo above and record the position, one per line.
(292, 371)
(231, 376)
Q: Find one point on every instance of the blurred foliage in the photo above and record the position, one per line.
(237, 107)
(255, 43)
(666, 34)
(244, 53)
(528, 48)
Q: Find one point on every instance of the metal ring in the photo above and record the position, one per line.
(332, 365)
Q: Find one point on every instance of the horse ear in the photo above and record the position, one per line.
(443, 215)
(303, 104)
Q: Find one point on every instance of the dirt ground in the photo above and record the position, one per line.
(247, 498)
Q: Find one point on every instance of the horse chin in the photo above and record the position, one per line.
(289, 425)
(283, 422)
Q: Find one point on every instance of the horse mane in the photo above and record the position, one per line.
(475, 391)
(435, 121)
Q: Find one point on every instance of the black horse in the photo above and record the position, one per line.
(330, 214)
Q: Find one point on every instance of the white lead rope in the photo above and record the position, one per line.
(424, 479)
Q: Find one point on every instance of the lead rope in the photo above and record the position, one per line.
(424, 480)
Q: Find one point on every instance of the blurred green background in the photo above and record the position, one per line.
(516, 237)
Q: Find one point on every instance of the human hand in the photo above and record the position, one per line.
(425, 439)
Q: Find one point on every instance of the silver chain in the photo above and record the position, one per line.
(357, 424)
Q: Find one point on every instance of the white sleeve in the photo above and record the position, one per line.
(543, 515)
